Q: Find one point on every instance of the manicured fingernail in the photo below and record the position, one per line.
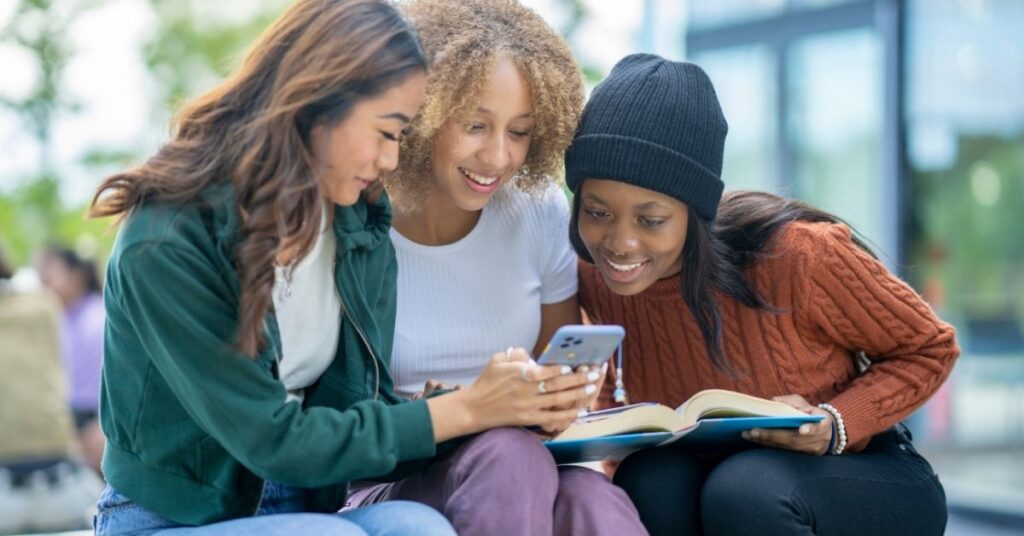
(604, 368)
(582, 368)
(582, 413)
(590, 389)
(566, 370)
(593, 376)
(804, 430)
(755, 433)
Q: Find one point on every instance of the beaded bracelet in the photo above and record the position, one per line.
(837, 419)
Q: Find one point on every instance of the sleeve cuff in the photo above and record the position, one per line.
(562, 294)
(859, 419)
(414, 433)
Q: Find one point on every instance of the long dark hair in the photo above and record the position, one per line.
(75, 263)
(716, 257)
(308, 69)
(6, 272)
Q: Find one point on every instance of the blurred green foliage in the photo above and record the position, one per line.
(193, 45)
(192, 49)
(971, 242)
(33, 213)
(189, 51)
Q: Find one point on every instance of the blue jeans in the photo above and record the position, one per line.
(281, 512)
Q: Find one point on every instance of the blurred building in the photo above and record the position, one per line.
(906, 118)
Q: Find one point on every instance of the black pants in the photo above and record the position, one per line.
(886, 489)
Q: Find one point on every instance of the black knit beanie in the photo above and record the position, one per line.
(656, 124)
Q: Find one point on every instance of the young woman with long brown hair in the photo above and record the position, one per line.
(758, 294)
(251, 298)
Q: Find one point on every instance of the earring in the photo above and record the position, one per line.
(620, 388)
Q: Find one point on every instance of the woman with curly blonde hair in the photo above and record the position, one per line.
(484, 260)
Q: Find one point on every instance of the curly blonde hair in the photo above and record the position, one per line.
(462, 40)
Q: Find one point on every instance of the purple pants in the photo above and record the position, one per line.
(505, 481)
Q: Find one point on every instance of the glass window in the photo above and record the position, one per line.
(834, 90)
(744, 78)
(706, 14)
(816, 4)
(965, 140)
(711, 14)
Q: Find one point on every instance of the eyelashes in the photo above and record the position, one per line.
(603, 215)
(474, 128)
(396, 137)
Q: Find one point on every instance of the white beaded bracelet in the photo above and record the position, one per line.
(840, 427)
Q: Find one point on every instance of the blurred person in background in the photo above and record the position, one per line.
(42, 485)
(75, 281)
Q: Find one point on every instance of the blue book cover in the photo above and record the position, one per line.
(708, 435)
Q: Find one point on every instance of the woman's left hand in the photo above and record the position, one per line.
(595, 375)
(434, 385)
(810, 438)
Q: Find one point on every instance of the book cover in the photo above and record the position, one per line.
(708, 435)
(710, 420)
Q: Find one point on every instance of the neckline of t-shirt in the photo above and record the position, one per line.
(314, 253)
(402, 241)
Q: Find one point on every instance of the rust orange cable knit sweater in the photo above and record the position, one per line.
(835, 300)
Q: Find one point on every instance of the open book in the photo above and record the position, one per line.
(710, 421)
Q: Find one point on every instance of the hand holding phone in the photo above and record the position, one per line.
(575, 345)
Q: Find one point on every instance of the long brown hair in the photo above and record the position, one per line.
(308, 69)
(717, 256)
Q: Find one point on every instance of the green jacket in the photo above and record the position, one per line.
(193, 428)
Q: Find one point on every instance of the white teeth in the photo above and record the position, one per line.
(479, 179)
(623, 267)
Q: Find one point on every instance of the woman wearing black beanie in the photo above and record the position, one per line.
(754, 293)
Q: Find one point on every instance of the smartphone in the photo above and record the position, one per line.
(576, 345)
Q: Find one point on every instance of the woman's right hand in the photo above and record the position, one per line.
(512, 391)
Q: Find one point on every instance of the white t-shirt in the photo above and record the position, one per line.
(460, 303)
(309, 317)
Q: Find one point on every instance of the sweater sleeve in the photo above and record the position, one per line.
(851, 300)
(185, 325)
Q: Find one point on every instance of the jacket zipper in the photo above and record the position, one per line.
(277, 358)
(373, 356)
(259, 503)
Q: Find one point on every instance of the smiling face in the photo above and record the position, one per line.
(355, 151)
(635, 235)
(473, 156)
